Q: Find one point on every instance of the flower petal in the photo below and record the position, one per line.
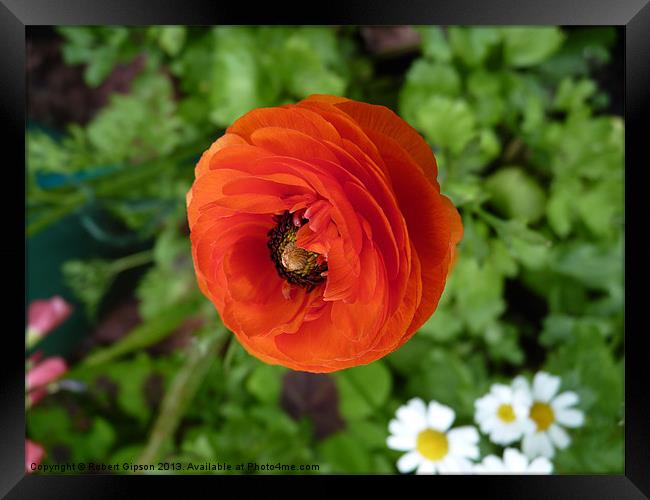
(409, 462)
(440, 417)
(570, 417)
(514, 460)
(463, 442)
(545, 386)
(559, 436)
(564, 400)
(540, 465)
(426, 467)
(403, 442)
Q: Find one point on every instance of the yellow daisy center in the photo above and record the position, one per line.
(432, 444)
(542, 414)
(506, 413)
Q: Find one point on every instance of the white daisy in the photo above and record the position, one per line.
(550, 414)
(432, 447)
(503, 413)
(513, 462)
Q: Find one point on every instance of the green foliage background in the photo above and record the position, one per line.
(525, 150)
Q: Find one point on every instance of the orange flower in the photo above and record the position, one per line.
(319, 232)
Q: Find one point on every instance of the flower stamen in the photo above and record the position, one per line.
(294, 264)
(432, 444)
(542, 414)
(506, 413)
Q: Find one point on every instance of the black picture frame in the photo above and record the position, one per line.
(633, 15)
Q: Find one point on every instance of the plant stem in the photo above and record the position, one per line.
(54, 215)
(145, 334)
(116, 184)
(131, 261)
(202, 354)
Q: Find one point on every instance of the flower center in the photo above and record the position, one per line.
(542, 414)
(506, 413)
(294, 264)
(432, 444)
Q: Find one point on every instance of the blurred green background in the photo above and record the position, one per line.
(526, 124)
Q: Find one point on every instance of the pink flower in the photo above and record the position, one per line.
(34, 454)
(36, 395)
(45, 372)
(44, 316)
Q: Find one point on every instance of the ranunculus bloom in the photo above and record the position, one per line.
(44, 316)
(34, 454)
(319, 232)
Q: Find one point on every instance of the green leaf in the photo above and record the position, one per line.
(100, 48)
(486, 88)
(473, 45)
(372, 435)
(89, 280)
(530, 247)
(423, 80)
(363, 389)
(573, 94)
(502, 341)
(130, 377)
(588, 367)
(406, 360)
(561, 209)
(345, 452)
(434, 43)
(557, 329)
(265, 383)
(596, 449)
(528, 46)
(145, 334)
(172, 38)
(52, 426)
(600, 208)
(139, 126)
(595, 266)
(444, 325)
(478, 292)
(446, 123)
(306, 62)
(236, 84)
(516, 194)
(584, 49)
(447, 378)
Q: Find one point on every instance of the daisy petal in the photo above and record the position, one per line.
(564, 400)
(545, 386)
(537, 444)
(486, 403)
(541, 465)
(570, 417)
(449, 465)
(417, 404)
(402, 442)
(466, 466)
(546, 446)
(426, 467)
(398, 428)
(412, 418)
(506, 434)
(490, 465)
(514, 461)
(559, 436)
(440, 417)
(520, 384)
(463, 442)
(502, 393)
(409, 462)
